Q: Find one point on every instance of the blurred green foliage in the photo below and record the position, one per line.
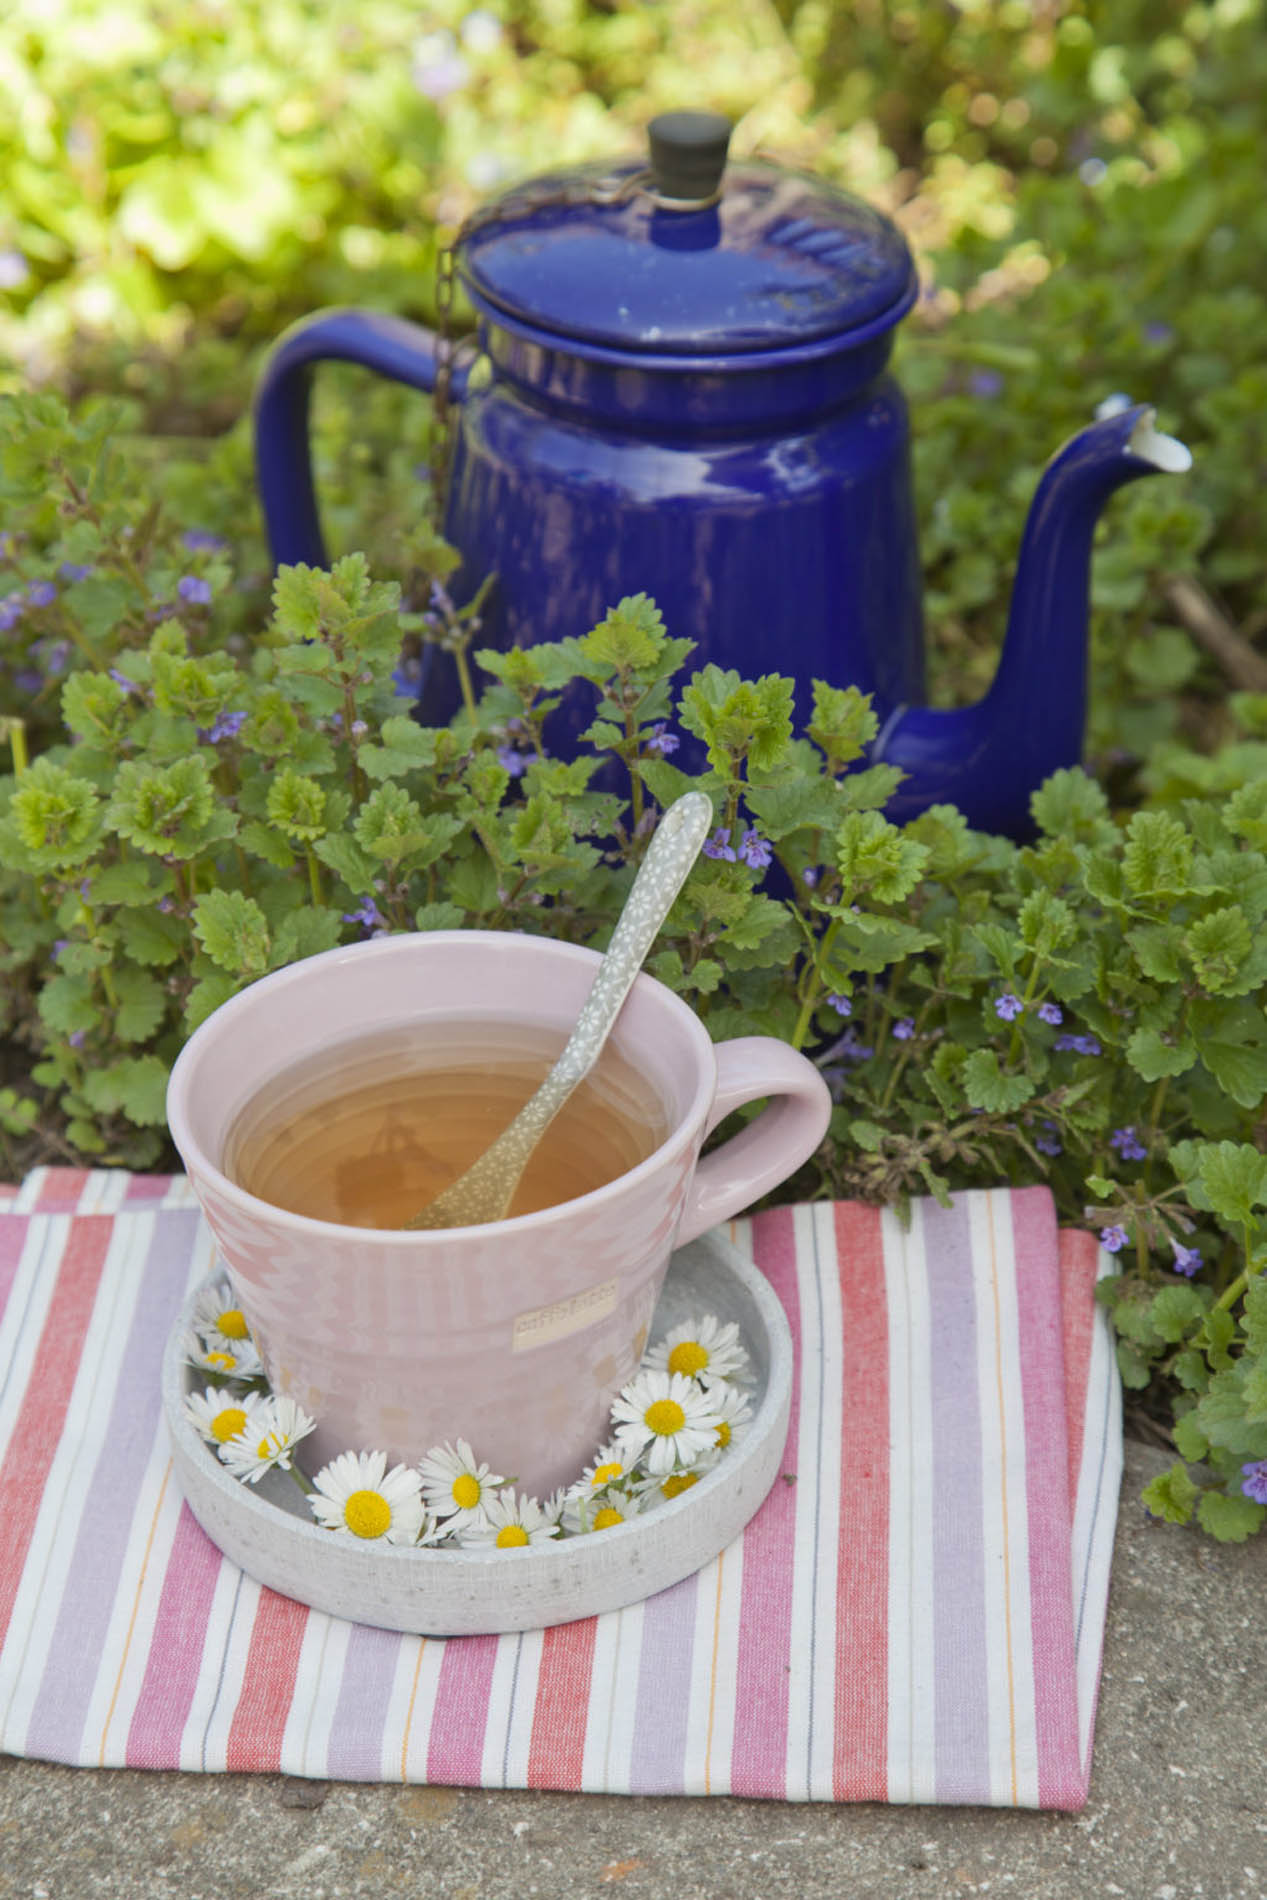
(1080, 183)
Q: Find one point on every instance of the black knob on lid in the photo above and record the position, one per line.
(688, 154)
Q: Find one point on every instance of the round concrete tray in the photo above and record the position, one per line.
(267, 1531)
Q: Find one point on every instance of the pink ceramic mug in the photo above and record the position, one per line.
(516, 1335)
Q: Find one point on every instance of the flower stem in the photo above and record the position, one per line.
(14, 730)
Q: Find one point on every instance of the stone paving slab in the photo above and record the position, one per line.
(1178, 1807)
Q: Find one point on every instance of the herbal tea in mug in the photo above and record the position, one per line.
(366, 1133)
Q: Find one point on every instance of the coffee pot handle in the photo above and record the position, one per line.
(772, 1146)
(390, 346)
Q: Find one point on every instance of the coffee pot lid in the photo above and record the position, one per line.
(688, 255)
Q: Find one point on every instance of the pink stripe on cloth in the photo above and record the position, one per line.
(158, 1608)
(1046, 1479)
(759, 1746)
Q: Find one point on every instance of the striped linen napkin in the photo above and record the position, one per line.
(914, 1615)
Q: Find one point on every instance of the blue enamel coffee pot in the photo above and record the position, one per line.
(679, 387)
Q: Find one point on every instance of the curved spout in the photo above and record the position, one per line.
(989, 758)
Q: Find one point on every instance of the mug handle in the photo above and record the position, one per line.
(770, 1148)
(390, 346)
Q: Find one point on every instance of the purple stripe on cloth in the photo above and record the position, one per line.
(657, 1763)
(127, 1443)
(355, 1751)
(961, 1719)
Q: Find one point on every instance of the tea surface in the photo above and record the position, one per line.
(368, 1132)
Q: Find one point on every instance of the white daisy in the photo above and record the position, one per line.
(702, 1349)
(735, 1408)
(508, 1522)
(268, 1440)
(219, 1415)
(652, 1489)
(237, 1359)
(609, 1467)
(355, 1492)
(218, 1321)
(599, 1510)
(455, 1485)
(666, 1416)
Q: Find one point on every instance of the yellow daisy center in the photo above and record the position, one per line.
(232, 1324)
(221, 1361)
(265, 1448)
(664, 1416)
(510, 1535)
(366, 1514)
(690, 1357)
(228, 1424)
(609, 1515)
(603, 1474)
(466, 1491)
(680, 1481)
(723, 1433)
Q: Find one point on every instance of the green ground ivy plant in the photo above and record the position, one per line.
(1086, 1009)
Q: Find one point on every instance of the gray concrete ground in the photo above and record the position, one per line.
(1178, 1804)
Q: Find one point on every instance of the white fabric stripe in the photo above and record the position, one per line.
(406, 1759)
(1013, 1742)
(605, 1763)
(899, 1765)
(30, 1297)
(325, 1701)
(229, 1646)
(295, 1749)
(1095, 1513)
(508, 1725)
(803, 1653)
(916, 1423)
(67, 1490)
(523, 1709)
(207, 1687)
(822, 1738)
(711, 1741)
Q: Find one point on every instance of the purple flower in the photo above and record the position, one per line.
(438, 67)
(718, 846)
(516, 763)
(810, 876)
(166, 904)
(1081, 1045)
(755, 851)
(1050, 1013)
(14, 270)
(41, 593)
(227, 726)
(1049, 1142)
(852, 1048)
(1128, 1143)
(1008, 1007)
(1158, 333)
(841, 1004)
(987, 383)
(74, 571)
(121, 679)
(27, 680)
(661, 740)
(76, 1038)
(56, 657)
(904, 1028)
(11, 611)
(1187, 1259)
(202, 541)
(194, 589)
(1113, 1239)
(368, 916)
(59, 944)
(1254, 1481)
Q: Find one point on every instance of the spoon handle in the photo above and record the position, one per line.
(486, 1189)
